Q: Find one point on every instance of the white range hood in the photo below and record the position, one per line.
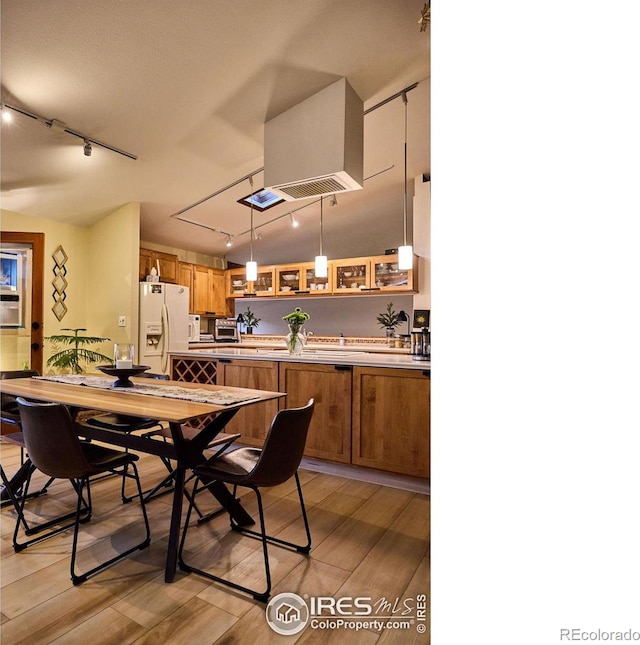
(316, 147)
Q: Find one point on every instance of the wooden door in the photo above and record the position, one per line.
(253, 421)
(30, 333)
(330, 386)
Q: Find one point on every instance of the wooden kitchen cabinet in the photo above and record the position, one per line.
(208, 290)
(350, 276)
(378, 273)
(185, 278)
(391, 420)
(167, 261)
(299, 279)
(252, 421)
(238, 287)
(330, 386)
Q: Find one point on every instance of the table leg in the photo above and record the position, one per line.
(228, 502)
(176, 521)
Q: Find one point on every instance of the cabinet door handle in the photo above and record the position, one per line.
(224, 360)
(301, 292)
(342, 368)
(426, 373)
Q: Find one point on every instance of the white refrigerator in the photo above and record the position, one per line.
(164, 324)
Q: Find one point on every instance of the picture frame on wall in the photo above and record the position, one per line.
(421, 318)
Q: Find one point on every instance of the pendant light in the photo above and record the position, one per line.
(405, 252)
(321, 260)
(251, 271)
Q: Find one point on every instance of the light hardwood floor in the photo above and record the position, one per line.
(368, 540)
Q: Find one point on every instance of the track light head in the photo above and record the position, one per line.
(6, 115)
(229, 242)
(294, 222)
(87, 148)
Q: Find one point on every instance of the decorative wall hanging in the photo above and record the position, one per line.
(59, 282)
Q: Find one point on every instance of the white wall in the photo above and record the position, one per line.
(101, 270)
(351, 316)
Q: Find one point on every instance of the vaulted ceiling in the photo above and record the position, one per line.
(186, 87)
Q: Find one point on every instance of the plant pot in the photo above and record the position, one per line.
(249, 330)
(390, 333)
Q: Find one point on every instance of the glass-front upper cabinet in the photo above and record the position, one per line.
(386, 276)
(238, 287)
(289, 279)
(263, 286)
(314, 285)
(352, 275)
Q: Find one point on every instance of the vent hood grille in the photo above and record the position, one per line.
(316, 147)
(314, 187)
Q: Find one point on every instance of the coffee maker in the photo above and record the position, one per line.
(421, 344)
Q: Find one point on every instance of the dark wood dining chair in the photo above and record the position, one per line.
(255, 468)
(10, 417)
(55, 449)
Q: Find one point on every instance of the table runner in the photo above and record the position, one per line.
(198, 395)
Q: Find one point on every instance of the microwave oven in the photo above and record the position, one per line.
(225, 330)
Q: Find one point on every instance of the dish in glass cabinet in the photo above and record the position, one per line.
(347, 274)
(285, 288)
(237, 283)
(289, 276)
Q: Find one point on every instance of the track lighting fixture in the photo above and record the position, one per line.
(251, 271)
(405, 252)
(58, 126)
(321, 260)
(333, 200)
(294, 222)
(229, 242)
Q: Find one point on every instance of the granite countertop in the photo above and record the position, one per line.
(341, 355)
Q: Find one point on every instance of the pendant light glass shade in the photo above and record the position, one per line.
(405, 258)
(321, 260)
(321, 270)
(251, 271)
(405, 252)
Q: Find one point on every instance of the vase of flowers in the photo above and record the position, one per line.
(296, 338)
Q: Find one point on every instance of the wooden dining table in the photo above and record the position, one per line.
(187, 453)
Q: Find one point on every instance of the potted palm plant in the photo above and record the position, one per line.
(389, 320)
(76, 351)
(250, 320)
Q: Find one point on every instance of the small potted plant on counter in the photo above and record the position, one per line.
(296, 337)
(250, 321)
(389, 320)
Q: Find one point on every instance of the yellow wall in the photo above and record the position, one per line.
(101, 271)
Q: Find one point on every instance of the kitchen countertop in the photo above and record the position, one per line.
(279, 344)
(343, 355)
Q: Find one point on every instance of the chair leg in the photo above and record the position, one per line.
(300, 548)
(257, 595)
(84, 513)
(80, 578)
